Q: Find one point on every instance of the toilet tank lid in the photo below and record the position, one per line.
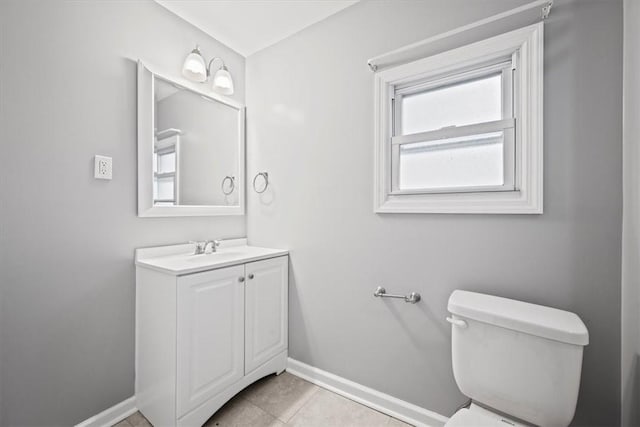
(533, 319)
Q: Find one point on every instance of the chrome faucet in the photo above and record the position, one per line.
(201, 247)
(215, 244)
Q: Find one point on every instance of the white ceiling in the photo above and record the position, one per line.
(248, 26)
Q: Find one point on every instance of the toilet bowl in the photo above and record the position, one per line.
(519, 363)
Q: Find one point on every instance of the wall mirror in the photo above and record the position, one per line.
(190, 150)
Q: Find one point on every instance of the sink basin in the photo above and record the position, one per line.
(208, 258)
(180, 260)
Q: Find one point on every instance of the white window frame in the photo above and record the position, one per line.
(522, 192)
(503, 66)
(162, 147)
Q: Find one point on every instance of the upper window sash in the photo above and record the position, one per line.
(504, 67)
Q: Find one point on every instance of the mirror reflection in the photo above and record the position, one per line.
(195, 150)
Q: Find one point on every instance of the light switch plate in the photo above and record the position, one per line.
(103, 168)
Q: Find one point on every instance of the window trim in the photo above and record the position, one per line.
(162, 147)
(525, 47)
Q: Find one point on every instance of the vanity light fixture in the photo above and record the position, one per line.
(195, 69)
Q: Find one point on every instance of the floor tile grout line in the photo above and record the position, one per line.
(349, 399)
(126, 421)
(319, 387)
(275, 417)
(315, 391)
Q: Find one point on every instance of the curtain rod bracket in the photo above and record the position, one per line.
(546, 10)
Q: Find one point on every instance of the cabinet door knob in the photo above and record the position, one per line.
(240, 279)
(251, 276)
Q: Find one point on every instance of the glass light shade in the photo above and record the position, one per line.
(222, 81)
(194, 67)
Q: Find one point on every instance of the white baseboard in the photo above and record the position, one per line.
(111, 416)
(374, 399)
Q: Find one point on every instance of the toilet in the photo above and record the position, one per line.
(519, 363)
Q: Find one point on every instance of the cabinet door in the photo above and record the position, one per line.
(266, 308)
(210, 340)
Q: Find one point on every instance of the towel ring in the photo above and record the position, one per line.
(264, 176)
(232, 184)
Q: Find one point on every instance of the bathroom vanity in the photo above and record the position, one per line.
(207, 326)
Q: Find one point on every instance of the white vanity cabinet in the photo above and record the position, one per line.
(203, 336)
(266, 300)
(210, 336)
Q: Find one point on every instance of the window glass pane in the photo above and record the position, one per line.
(467, 103)
(167, 162)
(469, 161)
(163, 188)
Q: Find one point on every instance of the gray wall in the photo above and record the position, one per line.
(631, 219)
(67, 275)
(310, 125)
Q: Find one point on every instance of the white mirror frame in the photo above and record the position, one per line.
(146, 208)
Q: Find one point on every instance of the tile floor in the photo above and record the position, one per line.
(286, 400)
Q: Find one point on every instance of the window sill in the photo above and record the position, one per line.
(499, 202)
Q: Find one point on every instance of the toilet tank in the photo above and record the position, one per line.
(521, 359)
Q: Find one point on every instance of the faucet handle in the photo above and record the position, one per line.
(199, 246)
(214, 245)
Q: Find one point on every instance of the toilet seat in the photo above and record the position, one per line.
(475, 416)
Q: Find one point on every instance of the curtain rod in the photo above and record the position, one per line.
(405, 54)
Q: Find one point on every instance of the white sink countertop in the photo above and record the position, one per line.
(179, 260)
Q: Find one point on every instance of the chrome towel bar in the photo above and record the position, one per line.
(412, 298)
